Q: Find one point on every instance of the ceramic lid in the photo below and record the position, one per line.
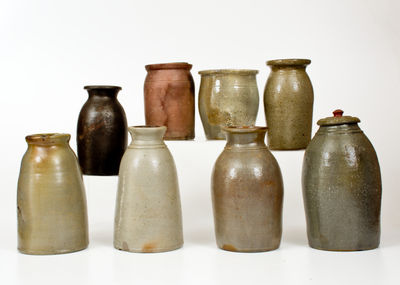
(338, 119)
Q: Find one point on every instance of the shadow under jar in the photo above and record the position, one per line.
(288, 104)
(341, 187)
(51, 200)
(247, 193)
(102, 131)
(169, 99)
(227, 97)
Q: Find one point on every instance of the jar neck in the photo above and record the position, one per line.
(147, 136)
(339, 129)
(253, 138)
(103, 91)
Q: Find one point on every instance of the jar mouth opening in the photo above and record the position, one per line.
(289, 62)
(170, 65)
(48, 138)
(244, 129)
(102, 87)
(229, 71)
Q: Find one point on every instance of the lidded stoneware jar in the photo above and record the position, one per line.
(227, 97)
(169, 99)
(51, 200)
(148, 214)
(341, 187)
(247, 193)
(102, 131)
(288, 104)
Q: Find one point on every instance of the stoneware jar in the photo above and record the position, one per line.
(341, 187)
(227, 97)
(148, 209)
(288, 104)
(247, 193)
(52, 215)
(102, 132)
(169, 99)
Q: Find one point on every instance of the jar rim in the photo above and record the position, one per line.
(229, 71)
(48, 138)
(289, 62)
(92, 87)
(169, 65)
(244, 129)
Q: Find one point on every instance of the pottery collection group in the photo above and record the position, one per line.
(341, 179)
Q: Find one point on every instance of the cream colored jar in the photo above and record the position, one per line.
(148, 214)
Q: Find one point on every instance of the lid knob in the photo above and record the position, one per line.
(338, 113)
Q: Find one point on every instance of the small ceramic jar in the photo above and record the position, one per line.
(169, 99)
(102, 131)
(227, 97)
(288, 104)
(52, 215)
(148, 214)
(247, 193)
(341, 187)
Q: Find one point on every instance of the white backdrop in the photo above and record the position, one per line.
(50, 49)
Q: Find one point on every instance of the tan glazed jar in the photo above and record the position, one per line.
(247, 193)
(148, 214)
(288, 104)
(227, 97)
(52, 215)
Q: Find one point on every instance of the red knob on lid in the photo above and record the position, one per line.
(337, 113)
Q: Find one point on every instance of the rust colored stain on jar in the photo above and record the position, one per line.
(149, 247)
(169, 99)
(229, 247)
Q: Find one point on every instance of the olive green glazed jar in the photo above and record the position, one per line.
(227, 97)
(247, 193)
(288, 104)
(51, 200)
(341, 187)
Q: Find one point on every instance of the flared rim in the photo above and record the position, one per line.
(288, 62)
(244, 129)
(91, 87)
(48, 138)
(170, 65)
(229, 71)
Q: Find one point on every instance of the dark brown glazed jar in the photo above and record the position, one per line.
(169, 99)
(102, 132)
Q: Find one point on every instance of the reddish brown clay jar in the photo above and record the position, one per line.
(169, 99)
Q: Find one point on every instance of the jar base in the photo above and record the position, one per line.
(47, 252)
(344, 250)
(228, 247)
(152, 250)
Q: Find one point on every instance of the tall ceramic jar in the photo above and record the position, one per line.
(148, 209)
(169, 99)
(52, 215)
(227, 97)
(247, 193)
(341, 187)
(102, 131)
(288, 104)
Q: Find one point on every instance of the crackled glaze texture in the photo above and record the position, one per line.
(247, 193)
(148, 209)
(169, 99)
(341, 187)
(52, 215)
(288, 104)
(102, 132)
(227, 97)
